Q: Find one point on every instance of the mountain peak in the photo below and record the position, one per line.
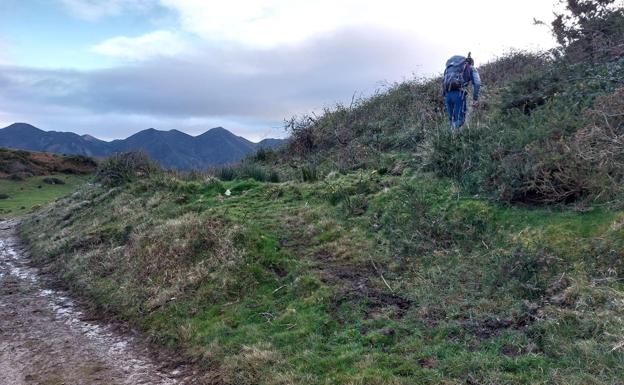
(23, 127)
(219, 129)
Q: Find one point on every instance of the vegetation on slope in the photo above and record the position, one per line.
(357, 279)
(392, 252)
(20, 164)
(18, 197)
(30, 179)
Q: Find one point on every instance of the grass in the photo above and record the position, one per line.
(31, 193)
(282, 283)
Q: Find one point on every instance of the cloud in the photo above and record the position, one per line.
(246, 89)
(268, 23)
(263, 22)
(96, 9)
(148, 46)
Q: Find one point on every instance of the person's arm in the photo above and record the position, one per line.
(476, 84)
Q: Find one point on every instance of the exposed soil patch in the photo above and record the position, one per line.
(46, 339)
(429, 363)
(357, 285)
(487, 328)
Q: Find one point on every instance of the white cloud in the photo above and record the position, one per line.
(96, 9)
(153, 44)
(263, 22)
(484, 24)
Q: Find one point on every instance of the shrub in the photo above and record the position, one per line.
(591, 29)
(213, 186)
(530, 91)
(586, 164)
(356, 204)
(226, 173)
(253, 171)
(81, 159)
(274, 177)
(246, 171)
(126, 167)
(417, 219)
(16, 177)
(512, 65)
(309, 173)
(53, 181)
(263, 154)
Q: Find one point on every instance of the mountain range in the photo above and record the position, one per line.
(173, 149)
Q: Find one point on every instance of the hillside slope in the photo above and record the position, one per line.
(21, 164)
(386, 280)
(393, 251)
(30, 179)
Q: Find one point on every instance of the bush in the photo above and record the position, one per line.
(591, 29)
(309, 173)
(356, 204)
(53, 181)
(213, 186)
(263, 154)
(226, 173)
(17, 177)
(512, 65)
(252, 171)
(274, 177)
(126, 167)
(83, 161)
(531, 91)
(246, 171)
(586, 164)
(418, 218)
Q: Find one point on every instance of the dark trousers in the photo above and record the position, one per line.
(456, 107)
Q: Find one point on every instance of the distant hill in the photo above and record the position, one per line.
(22, 164)
(26, 137)
(173, 149)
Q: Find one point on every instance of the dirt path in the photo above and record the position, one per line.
(46, 340)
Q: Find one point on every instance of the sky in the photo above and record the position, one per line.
(110, 68)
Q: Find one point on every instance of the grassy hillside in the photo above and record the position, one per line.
(358, 279)
(22, 196)
(31, 179)
(19, 164)
(378, 247)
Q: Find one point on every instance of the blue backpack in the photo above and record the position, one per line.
(455, 73)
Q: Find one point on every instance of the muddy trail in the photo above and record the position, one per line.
(46, 339)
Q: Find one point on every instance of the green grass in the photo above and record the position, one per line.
(281, 283)
(32, 192)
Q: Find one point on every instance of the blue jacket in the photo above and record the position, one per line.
(471, 75)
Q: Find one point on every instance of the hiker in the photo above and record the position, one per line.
(459, 73)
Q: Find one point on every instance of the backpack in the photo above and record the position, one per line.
(454, 75)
